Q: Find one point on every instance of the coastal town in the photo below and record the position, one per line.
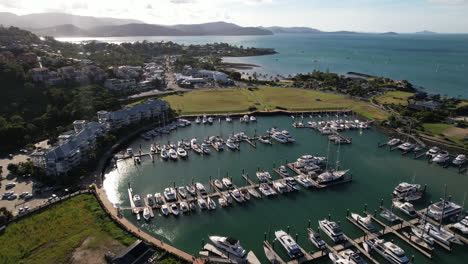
(134, 137)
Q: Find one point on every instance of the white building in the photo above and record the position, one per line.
(121, 85)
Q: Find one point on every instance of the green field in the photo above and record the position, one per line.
(53, 235)
(394, 97)
(266, 98)
(436, 128)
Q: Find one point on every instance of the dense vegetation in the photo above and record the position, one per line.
(9, 35)
(51, 236)
(29, 113)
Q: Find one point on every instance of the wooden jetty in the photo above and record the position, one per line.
(149, 207)
(271, 254)
(251, 143)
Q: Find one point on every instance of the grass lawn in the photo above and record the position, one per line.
(394, 97)
(53, 235)
(436, 128)
(266, 98)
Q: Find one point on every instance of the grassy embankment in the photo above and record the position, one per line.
(266, 98)
(53, 235)
(394, 97)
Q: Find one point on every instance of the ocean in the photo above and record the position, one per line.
(438, 63)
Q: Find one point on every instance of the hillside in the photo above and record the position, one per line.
(292, 30)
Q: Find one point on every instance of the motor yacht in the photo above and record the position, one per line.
(288, 136)
(264, 140)
(462, 226)
(365, 222)
(184, 207)
(279, 137)
(331, 176)
(236, 195)
(175, 209)
(389, 215)
(388, 250)
(332, 229)
(218, 184)
(432, 152)
(315, 238)
(406, 146)
(292, 183)
(201, 188)
(281, 187)
(202, 203)
(182, 192)
(227, 182)
(158, 198)
(211, 203)
(191, 190)
(165, 210)
(407, 190)
(440, 234)
(459, 160)
(405, 207)
(266, 190)
(393, 142)
(229, 244)
(146, 214)
(352, 256)
(263, 176)
(302, 180)
(170, 194)
(338, 259)
(443, 209)
(137, 200)
(181, 152)
(442, 157)
(292, 248)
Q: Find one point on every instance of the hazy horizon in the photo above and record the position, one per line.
(442, 16)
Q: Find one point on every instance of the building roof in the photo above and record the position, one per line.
(137, 253)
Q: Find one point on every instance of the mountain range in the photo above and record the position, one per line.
(67, 25)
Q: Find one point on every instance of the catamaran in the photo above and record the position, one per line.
(440, 234)
(443, 209)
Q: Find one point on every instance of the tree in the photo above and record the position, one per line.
(235, 75)
(13, 168)
(5, 216)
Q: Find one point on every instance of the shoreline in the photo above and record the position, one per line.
(238, 66)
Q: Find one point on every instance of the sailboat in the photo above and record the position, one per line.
(332, 175)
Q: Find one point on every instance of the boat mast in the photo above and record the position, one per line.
(328, 155)
(337, 163)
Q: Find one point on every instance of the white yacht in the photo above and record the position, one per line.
(293, 249)
(191, 190)
(264, 140)
(288, 136)
(229, 244)
(407, 190)
(279, 137)
(237, 196)
(440, 234)
(253, 119)
(146, 214)
(137, 200)
(292, 183)
(263, 176)
(184, 207)
(282, 169)
(164, 210)
(331, 175)
(182, 192)
(210, 120)
(388, 250)
(227, 182)
(181, 152)
(393, 142)
(204, 119)
(211, 203)
(280, 187)
(406, 146)
(158, 198)
(173, 154)
(405, 207)
(170, 194)
(332, 229)
(202, 203)
(230, 144)
(218, 184)
(198, 120)
(442, 157)
(266, 190)
(201, 188)
(351, 256)
(459, 160)
(175, 209)
(315, 238)
(443, 209)
(432, 152)
(228, 119)
(389, 215)
(462, 226)
(302, 180)
(164, 155)
(254, 193)
(365, 222)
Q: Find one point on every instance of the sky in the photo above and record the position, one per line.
(445, 16)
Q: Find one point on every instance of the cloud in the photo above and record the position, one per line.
(182, 1)
(448, 1)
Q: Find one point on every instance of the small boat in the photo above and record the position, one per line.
(182, 192)
(405, 207)
(204, 119)
(198, 120)
(230, 144)
(137, 160)
(228, 119)
(292, 248)
(164, 154)
(245, 194)
(201, 188)
(146, 214)
(210, 120)
(442, 157)
(459, 160)
(236, 195)
(202, 203)
(137, 200)
(288, 136)
(228, 198)
(253, 193)
(150, 199)
(227, 182)
(181, 152)
(264, 140)
(365, 222)
(266, 190)
(389, 215)
(406, 147)
(393, 142)
(191, 190)
(129, 152)
(222, 202)
(175, 209)
(158, 198)
(184, 207)
(164, 210)
(282, 169)
(211, 203)
(152, 149)
(205, 149)
(218, 184)
(253, 119)
(229, 244)
(173, 154)
(332, 229)
(315, 238)
(432, 152)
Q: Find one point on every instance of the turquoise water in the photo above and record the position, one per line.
(439, 63)
(376, 171)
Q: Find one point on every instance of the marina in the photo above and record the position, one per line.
(241, 167)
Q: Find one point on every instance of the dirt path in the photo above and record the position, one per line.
(89, 253)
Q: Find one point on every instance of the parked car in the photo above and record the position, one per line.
(12, 197)
(10, 185)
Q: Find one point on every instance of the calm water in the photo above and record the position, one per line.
(439, 62)
(376, 171)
